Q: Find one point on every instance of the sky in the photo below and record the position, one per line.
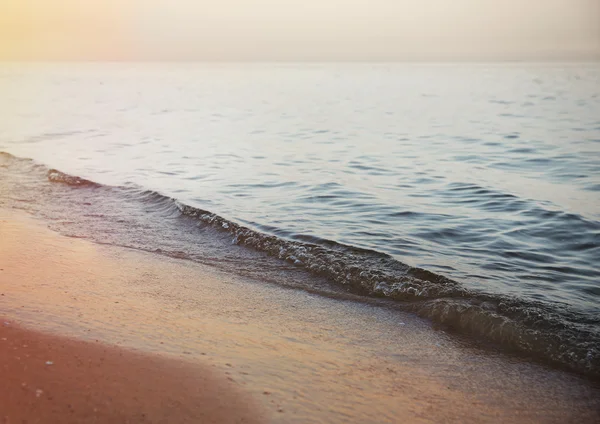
(298, 30)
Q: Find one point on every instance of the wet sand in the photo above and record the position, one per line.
(51, 379)
(303, 358)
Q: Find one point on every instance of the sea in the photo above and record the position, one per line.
(466, 193)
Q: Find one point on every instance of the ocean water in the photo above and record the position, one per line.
(467, 193)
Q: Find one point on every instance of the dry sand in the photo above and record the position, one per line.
(303, 358)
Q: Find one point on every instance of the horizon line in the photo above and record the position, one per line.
(585, 59)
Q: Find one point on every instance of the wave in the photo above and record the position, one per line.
(60, 177)
(552, 333)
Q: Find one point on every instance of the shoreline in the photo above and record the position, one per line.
(559, 335)
(302, 357)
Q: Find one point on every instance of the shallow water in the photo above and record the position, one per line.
(486, 174)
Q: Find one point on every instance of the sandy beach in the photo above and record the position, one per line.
(52, 379)
(139, 337)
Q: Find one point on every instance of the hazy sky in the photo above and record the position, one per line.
(299, 29)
